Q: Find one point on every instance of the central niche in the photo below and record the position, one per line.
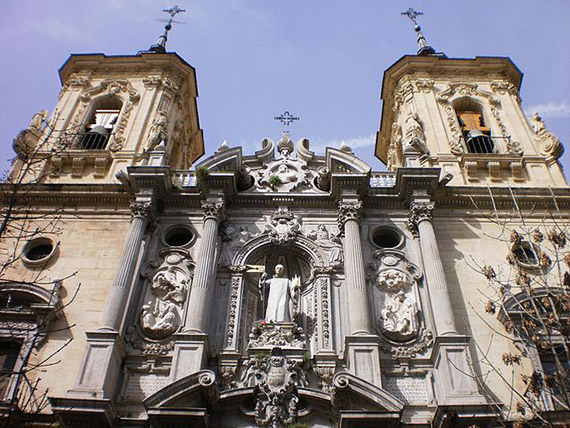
(275, 299)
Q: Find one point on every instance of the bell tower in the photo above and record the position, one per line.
(464, 116)
(120, 111)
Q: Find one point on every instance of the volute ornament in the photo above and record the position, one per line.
(549, 143)
(213, 209)
(418, 212)
(348, 210)
(142, 209)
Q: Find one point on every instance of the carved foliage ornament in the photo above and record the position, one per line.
(458, 90)
(120, 87)
(213, 209)
(142, 210)
(418, 212)
(348, 210)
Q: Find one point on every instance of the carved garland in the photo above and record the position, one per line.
(234, 294)
(325, 312)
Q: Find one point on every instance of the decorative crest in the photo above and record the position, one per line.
(286, 118)
(160, 45)
(423, 47)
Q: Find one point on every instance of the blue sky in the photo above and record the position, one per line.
(322, 60)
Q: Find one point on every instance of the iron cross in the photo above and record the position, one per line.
(412, 14)
(173, 11)
(286, 118)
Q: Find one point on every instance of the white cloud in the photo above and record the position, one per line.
(319, 145)
(551, 109)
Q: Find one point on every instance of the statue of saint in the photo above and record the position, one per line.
(283, 292)
(157, 132)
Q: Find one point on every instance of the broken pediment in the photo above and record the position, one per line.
(285, 167)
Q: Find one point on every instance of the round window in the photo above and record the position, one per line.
(386, 237)
(39, 251)
(178, 236)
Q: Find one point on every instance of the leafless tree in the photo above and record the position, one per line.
(23, 220)
(529, 293)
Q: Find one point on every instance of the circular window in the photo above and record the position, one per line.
(178, 236)
(386, 237)
(39, 251)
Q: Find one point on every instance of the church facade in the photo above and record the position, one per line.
(282, 288)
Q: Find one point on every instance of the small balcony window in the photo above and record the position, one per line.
(9, 352)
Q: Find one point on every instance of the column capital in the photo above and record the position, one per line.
(142, 209)
(348, 210)
(213, 209)
(419, 211)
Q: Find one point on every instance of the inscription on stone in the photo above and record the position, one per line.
(142, 385)
(407, 389)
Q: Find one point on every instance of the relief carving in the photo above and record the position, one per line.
(275, 378)
(232, 242)
(397, 305)
(167, 289)
(332, 245)
(282, 226)
(161, 316)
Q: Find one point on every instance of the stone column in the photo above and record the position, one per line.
(420, 222)
(358, 310)
(117, 299)
(197, 316)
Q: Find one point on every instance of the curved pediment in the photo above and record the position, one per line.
(344, 161)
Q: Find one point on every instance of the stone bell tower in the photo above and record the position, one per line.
(464, 116)
(120, 111)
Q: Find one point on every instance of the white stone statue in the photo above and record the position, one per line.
(38, 120)
(283, 293)
(157, 131)
(415, 136)
(332, 246)
(399, 316)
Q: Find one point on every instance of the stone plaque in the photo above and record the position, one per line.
(409, 390)
(142, 385)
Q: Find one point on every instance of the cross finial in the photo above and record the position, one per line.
(412, 14)
(160, 45)
(423, 47)
(173, 11)
(286, 118)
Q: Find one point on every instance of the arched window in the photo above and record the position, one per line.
(475, 130)
(100, 123)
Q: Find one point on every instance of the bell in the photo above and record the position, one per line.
(98, 129)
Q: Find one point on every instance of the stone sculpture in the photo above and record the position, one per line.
(331, 245)
(160, 317)
(399, 316)
(283, 293)
(157, 131)
(415, 136)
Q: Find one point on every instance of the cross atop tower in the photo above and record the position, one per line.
(423, 47)
(160, 45)
(286, 118)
